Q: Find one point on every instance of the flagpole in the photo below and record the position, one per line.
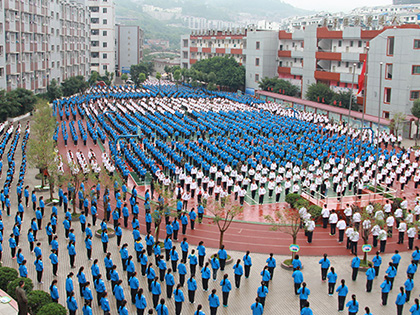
(363, 115)
(378, 146)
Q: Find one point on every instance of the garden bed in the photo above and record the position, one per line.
(111, 233)
(287, 265)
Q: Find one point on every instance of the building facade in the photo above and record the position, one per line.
(41, 40)
(211, 43)
(260, 62)
(102, 45)
(396, 88)
(318, 54)
(129, 47)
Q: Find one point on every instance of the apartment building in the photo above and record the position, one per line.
(41, 40)
(102, 45)
(261, 51)
(206, 44)
(398, 84)
(318, 54)
(129, 47)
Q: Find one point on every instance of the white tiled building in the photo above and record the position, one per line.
(102, 45)
(41, 40)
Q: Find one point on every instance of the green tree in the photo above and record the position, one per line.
(277, 85)
(319, 92)
(94, 77)
(344, 98)
(37, 299)
(228, 71)
(22, 100)
(53, 91)
(163, 208)
(124, 77)
(74, 85)
(141, 78)
(107, 78)
(143, 67)
(41, 153)
(53, 309)
(11, 287)
(397, 122)
(286, 221)
(415, 110)
(224, 212)
(177, 77)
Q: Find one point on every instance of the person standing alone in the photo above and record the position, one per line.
(22, 299)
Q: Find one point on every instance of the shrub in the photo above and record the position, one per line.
(37, 299)
(6, 275)
(315, 211)
(396, 203)
(291, 199)
(53, 309)
(11, 287)
(301, 203)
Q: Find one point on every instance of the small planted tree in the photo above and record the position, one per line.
(286, 221)
(223, 214)
(163, 207)
(41, 145)
(124, 77)
(142, 77)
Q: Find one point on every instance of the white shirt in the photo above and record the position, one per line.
(357, 217)
(402, 227)
(325, 213)
(411, 232)
(341, 225)
(390, 221)
(333, 218)
(262, 191)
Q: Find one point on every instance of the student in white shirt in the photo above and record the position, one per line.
(261, 193)
(279, 190)
(341, 226)
(241, 194)
(402, 228)
(254, 188)
(325, 213)
(333, 219)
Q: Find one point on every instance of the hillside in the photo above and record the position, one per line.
(130, 12)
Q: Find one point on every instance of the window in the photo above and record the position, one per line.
(388, 71)
(105, 56)
(351, 43)
(105, 33)
(94, 20)
(94, 9)
(105, 10)
(257, 45)
(105, 44)
(347, 64)
(257, 61)
(386, 114)
(415, 70)
(387, 96)
(339, 43)
(105, 21)
(105, 67)
(390, 46)
(257, 78)
(94, 32)
(417, 44)
(414, 95)
(359, 44)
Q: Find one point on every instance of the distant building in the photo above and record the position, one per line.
(102, 24)
(397, 2)
(260, 51)
(201, 45)
(159, 43)
(129, 47)
(42, 40)
(159, 64)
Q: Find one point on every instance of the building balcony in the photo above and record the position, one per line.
(324, 55)
(284, 53)
(285, 70)
(327, 75)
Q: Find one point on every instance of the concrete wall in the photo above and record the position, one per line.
(267, 67)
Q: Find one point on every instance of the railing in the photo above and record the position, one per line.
(339, 202)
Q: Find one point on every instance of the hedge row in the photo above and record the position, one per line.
(39, 302)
